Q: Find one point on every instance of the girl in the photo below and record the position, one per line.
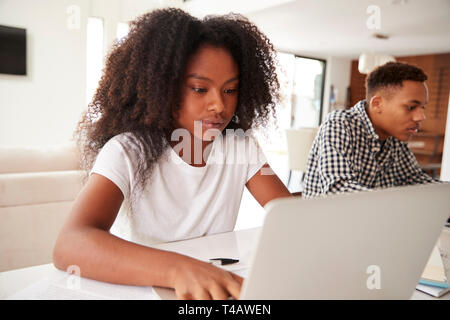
(170, 83)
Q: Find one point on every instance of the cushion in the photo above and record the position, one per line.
(36, 159)
(39, 187)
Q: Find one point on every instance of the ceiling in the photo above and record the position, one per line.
(323, 28)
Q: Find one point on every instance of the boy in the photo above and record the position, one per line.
(365, 147)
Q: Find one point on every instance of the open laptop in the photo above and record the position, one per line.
(366, 245)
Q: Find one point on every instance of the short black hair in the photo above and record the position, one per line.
(392, 74)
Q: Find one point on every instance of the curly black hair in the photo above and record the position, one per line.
(392, 74)
(140, 89)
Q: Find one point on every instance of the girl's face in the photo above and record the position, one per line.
(209, 91)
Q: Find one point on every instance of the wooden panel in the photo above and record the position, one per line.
(428, 145)
(357, 84)
(437, 68)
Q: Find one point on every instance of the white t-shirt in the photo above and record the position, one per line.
(180, 201)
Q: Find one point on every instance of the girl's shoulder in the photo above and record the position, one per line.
(128, 140)
(122, 138)
(125, 142)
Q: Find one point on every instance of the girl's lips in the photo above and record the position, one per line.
(212, 124)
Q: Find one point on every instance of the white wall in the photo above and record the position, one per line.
(109, 11)
(337, 74)
(44, 106)
(115, 11)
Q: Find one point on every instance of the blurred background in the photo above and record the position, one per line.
(325, 48)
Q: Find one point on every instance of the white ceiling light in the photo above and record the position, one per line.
(369, 61)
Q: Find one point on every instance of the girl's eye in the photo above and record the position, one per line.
(199, 90)
(229, 91)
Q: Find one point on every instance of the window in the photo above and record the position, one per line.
(303, 89)
(95, 52)
(301, 102)
(122, 30)
(94, 55)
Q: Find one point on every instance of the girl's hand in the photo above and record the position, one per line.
(195, 279)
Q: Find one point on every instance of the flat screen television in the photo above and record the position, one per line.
(13, 50)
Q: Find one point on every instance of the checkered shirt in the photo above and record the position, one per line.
(347, 156)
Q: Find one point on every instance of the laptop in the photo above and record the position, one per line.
(365, 245)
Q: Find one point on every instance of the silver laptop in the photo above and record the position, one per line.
(366, 245)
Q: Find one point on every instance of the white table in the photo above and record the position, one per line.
(27, 282)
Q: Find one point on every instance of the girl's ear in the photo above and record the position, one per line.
(176, 113)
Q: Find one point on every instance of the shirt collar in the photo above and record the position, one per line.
(360, 109)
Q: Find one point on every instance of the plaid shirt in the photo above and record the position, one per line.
(347, 155)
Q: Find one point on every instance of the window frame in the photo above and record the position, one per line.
(322, 96)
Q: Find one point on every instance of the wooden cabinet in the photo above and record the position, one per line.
(428, 147)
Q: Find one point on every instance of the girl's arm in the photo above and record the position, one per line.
(265, 186)
(85, 241)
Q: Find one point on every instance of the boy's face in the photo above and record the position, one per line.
(399, 111)
(209, 92)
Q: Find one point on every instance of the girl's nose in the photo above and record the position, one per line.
(216, 102)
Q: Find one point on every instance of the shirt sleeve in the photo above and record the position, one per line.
(336, 170)
(114, 164)
(256, 157)
(410, 171)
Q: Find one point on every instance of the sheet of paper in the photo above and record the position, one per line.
(434, 269)
(62, 286)
(444, 250)
(433, 291)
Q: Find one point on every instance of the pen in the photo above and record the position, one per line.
(224, 261)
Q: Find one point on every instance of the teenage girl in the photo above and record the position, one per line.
(173, 79)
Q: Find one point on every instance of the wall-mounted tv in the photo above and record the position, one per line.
(13, 50)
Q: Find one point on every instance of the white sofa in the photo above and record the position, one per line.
(37, 189)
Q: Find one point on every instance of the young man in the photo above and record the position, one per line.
(365, 147)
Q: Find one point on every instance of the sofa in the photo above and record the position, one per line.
(38, 186)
